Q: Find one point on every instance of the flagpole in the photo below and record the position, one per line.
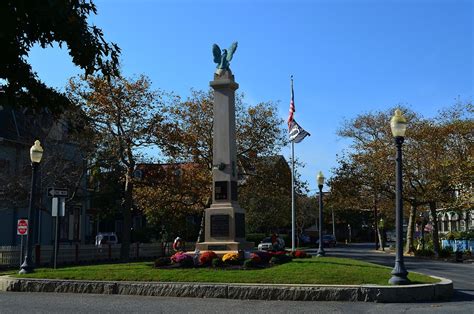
(292, 196)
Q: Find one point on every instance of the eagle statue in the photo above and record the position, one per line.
(223, 59)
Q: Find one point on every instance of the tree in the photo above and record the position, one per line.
(64, 139)
(366, 163)
(436, 161)
(265, 194)
(26, 23)
(169, 193)
(187, 135)
(123, 112)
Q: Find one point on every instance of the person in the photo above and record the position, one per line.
(178, 244)
(277, 243)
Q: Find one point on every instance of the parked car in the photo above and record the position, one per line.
(265, 244)
(328, 240)
(305, 238)
(103, 238)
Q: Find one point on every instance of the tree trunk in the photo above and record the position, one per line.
(436, 246)
(410, 248)
(127, 203)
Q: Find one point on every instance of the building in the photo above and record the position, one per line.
(449, 220)
(62, 166)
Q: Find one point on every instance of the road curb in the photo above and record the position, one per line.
(442, 290)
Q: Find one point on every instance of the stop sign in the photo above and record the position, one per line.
(22, 227)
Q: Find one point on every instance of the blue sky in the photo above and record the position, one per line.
(347, 57)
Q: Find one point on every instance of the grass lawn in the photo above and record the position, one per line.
(322, 270)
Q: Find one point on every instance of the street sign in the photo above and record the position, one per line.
(56, 192)
(22, 227)
(58, 204)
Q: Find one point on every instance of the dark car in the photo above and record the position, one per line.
(328, 240)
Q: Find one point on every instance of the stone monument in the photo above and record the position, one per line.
(224, 220)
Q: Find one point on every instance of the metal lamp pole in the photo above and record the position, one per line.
(399, 272)
(320, 179)
(36, 152)
(382, 226)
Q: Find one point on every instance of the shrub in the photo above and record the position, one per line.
(425, 252)
(264, 256)
(249, 263)
(216, 262)
(255, 258)
(300, 254)
(231, 258)
(280, 259)
(162, 261)
(255, 237)
(188, 262)
(183, 259)
(445, 252)
(278, 253)
(453, 235)
(207, 257)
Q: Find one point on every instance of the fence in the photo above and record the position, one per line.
(77, 253)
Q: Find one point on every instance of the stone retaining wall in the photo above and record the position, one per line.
(365, 293)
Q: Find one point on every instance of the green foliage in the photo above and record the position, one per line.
(162, 261)
(143, 235)
(26, 23)
(256, 237)
(322, 270)
(280, 259)
(453, 235)
(186, 263)
(466, 235)
(216, 262)
(446, 252)
(249, 263)
(425, 252)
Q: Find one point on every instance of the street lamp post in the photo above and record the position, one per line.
(320, 179)
(398, 125)
(381, 228)
(36, 153)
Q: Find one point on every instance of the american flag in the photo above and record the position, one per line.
(292, 105)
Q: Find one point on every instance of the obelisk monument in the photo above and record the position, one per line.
(224, 220)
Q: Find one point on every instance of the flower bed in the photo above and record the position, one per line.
(206, 258)
(258, 259)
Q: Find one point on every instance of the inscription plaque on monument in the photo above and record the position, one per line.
(219, 225)
(220, 190)
(239, 225)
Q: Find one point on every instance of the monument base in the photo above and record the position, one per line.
(224, 246)
(224, 229)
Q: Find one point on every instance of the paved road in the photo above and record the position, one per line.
(15, 302)
(461, 274)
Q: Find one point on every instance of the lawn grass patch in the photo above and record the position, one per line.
(321, 270)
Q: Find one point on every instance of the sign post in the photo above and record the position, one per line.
(22, 230)
(58, 208)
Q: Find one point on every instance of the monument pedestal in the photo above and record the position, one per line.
(224, 229)
(224, 220)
